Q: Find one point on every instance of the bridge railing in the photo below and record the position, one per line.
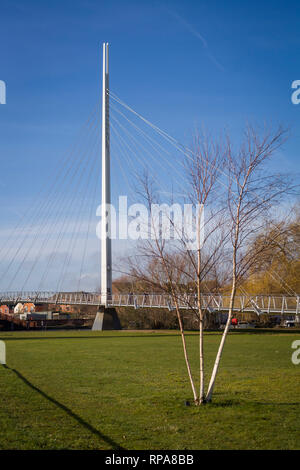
(259, 304)
(219, 302)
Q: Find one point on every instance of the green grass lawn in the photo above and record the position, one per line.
(109, 390)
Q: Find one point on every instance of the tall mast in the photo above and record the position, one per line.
(106, 271)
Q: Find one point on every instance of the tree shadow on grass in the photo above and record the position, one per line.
(224, 404)
(69, 412)
(275, 404)
(235, 402)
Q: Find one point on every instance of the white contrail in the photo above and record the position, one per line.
(197, 35)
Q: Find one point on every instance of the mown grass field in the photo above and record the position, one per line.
(109, 390)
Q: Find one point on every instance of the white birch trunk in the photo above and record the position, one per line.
(187, 362)
(221, 347)
(200, 312)
(231, 305)
(201, 356)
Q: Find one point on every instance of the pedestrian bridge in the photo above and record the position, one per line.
(259, 304)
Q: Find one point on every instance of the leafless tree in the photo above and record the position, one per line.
(252, 193)
(238, 193)
(175, 268)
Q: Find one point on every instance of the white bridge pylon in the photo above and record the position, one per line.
(106, 258)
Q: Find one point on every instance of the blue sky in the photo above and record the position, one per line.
(182, 64)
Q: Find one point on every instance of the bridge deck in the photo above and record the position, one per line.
(270, 304)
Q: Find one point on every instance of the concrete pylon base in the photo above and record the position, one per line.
(106, 319)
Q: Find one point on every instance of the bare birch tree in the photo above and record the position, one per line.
(175, 267)
(252, 192)
(238, 193)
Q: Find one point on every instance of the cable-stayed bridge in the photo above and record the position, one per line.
(54, 246)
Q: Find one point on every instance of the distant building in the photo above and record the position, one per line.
(29, 307)
(19, 308)
(4, 309)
